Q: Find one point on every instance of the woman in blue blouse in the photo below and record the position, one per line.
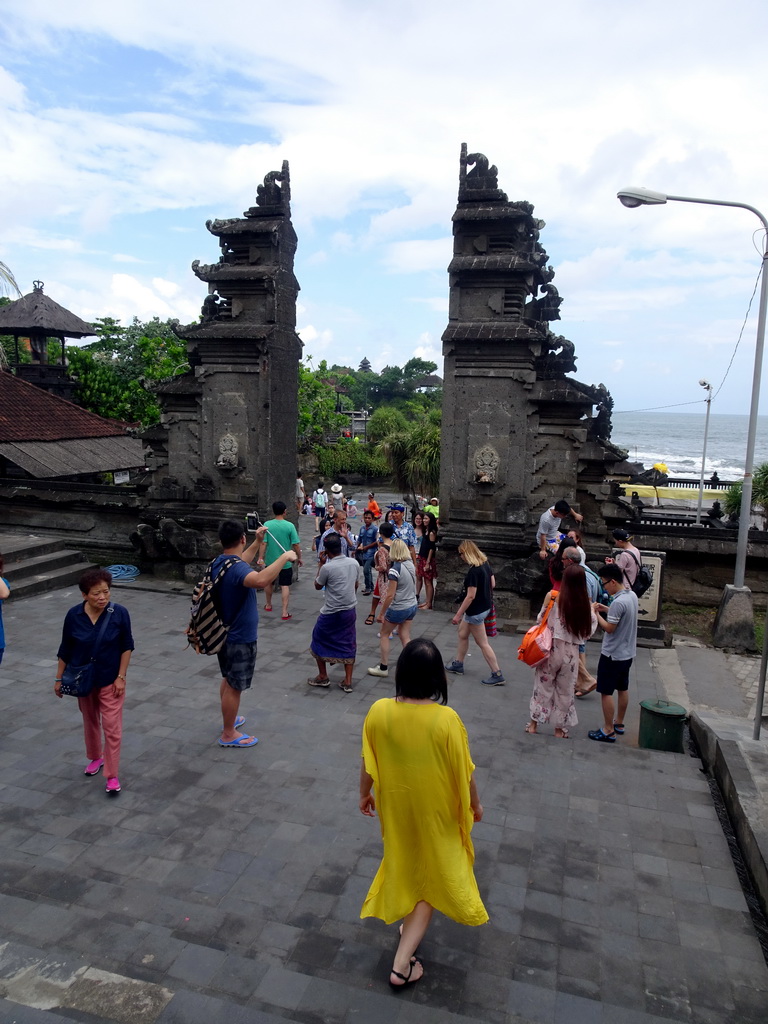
(102, 709)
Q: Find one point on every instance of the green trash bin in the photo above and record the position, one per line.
(661, 726)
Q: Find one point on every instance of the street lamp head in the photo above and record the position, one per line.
(633, 196)
(705, 383)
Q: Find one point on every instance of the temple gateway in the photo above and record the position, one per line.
(517, 433)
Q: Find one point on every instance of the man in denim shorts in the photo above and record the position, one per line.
(239, 612)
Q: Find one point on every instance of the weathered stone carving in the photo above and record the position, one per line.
(228, 449)
(486, 464)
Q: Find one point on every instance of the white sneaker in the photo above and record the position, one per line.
(377, 671)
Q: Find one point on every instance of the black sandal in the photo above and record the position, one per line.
(406, 978)
(370, 620)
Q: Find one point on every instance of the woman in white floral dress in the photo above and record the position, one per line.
(572, 622)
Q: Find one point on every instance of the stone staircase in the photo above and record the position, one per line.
(34, 565)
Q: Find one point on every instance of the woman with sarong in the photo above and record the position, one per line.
(334, 638)
(417, 772)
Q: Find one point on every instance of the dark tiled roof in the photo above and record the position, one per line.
(74, 457)
(27, 413)
(36, 313)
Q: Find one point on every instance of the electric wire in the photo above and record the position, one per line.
(679, 405)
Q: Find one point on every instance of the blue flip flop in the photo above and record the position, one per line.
(240, 721)
(241, 741)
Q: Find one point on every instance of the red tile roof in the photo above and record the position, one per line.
(27, 413)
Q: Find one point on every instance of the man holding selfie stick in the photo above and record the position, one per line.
(280, 535)
(239, 611)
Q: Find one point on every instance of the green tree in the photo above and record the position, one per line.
(413, 455)
(384, 421)
(116, 373)
(732, 498)
(317, 405)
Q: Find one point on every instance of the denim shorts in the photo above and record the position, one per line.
(401, 615)
(475, 620)
(238, 663)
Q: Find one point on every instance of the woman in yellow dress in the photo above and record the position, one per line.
(418, 772)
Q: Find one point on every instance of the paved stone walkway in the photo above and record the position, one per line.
(227, 884)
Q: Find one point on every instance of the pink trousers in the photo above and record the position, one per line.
(102, 709)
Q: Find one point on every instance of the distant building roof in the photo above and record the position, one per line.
(430, 381)
(36, 313)
(27, 413)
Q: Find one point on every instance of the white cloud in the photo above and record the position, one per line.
(370, 105)
(418, 255)
(430, 350)
(168, 289)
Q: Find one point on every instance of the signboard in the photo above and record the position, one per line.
(649, 605)
(121, 476)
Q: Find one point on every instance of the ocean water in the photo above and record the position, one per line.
(678, 440)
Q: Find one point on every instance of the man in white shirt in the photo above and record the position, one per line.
(548, 532)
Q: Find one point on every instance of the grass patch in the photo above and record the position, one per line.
(696, 621)
(689, 620)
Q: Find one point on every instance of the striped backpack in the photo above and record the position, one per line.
(206, 633)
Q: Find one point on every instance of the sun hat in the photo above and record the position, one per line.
(337, 488)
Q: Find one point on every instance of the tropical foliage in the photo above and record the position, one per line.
(116, 373)
(350, 456)
(732, 499)
(413, 455)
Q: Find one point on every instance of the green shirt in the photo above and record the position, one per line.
(285, 532)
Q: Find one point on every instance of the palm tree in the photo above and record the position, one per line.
(413, 455)
(7, 280)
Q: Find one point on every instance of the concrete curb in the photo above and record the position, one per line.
(740, 767)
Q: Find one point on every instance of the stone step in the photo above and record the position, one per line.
(45, 580)
(16, 547)
(35, 565)
(20, 569)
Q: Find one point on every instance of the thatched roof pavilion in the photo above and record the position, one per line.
(36, 316)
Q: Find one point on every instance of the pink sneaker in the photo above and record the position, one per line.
(113, 786)
(94, 767)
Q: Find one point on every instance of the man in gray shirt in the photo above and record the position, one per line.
(334, 638)
(617, 652)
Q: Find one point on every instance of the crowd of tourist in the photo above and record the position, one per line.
(416, 769)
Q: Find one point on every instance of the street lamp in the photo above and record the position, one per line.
(708, 386)
(633, 197)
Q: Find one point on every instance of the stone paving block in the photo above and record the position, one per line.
(14, 1013)
(196, 964)
(282, 988)
(195, 1008)
(531, 1002)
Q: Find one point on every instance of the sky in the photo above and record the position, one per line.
(124, 127)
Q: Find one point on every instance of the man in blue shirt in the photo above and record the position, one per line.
(367, 543)
(238, 611)
(403, 531)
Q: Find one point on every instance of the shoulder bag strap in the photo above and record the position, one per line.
(552, 599)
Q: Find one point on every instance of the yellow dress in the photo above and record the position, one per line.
(418, 756)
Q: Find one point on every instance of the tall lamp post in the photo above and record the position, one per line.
(708, 386)
(632, 197)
